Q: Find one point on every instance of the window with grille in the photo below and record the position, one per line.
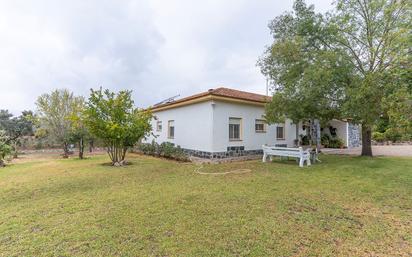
(171, 129)
(260, 126)
(235, 129)
(159, 126)
(280, 132)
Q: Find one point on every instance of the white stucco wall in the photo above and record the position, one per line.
(193, 126)
(341, 130)
(205, 127)
(251, 140)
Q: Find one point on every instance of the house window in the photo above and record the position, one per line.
(260, 126)
(235, 129)
(280, 132)
(158, 126)
(171, 129)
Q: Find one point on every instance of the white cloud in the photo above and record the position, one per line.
(157, 48)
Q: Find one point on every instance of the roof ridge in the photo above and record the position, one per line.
(231, 89)
(223, 92)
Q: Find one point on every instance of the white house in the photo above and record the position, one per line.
(224, 122)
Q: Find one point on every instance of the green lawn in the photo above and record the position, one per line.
(345, 206)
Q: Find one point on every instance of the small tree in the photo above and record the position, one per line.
(55, 111)
(113, 118)
(79, 132)
(5, 148)
(16, 127)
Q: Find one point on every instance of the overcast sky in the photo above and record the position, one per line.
(157, 48)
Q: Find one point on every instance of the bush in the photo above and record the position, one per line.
(331, 142)
(324, 140)
(165, 149)
(406, 137)
(393, 135)
(335, 143)
(5, 148)
(304, 140)
(378, 136)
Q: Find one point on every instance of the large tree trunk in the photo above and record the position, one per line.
(81, 148)
(366, 140)
(2, 164)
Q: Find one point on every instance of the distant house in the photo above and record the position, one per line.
(224, 122)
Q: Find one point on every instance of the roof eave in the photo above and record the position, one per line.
(205, 98)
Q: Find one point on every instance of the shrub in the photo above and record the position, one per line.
(304, 140)
(149, 148)
(324, 140)
(335, 143)
(331, 141)
(406, 137)
(393, 135)
(378, 136)
(165, 149)
(5, 148)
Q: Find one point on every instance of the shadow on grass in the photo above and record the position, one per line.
(109, 164)
(293, 162)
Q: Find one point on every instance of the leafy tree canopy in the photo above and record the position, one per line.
(114, 119)
(79, 132)
(55, 111)
(345, 63)
(16, 127)
(5, 148)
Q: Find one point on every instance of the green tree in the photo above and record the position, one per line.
(16, 127)
(398, 105)
(55, 111)
(5, 148)
(79, 131)
(113, 118)
(374, 37)
(342, 64)
(307, 76)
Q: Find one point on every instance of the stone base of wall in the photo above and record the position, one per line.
(232, 152)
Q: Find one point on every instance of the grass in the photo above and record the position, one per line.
(345, 206)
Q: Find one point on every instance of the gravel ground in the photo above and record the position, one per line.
(377, 150)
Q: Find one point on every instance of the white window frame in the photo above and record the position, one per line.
(240, 128)
(171, 123)
(159, 128)
(284, 132)
(263, 122)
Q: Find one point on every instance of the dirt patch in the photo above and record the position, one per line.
(377, 150)
(46, 156)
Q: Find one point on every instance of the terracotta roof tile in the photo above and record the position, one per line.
(222, 92)
(232, 93)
